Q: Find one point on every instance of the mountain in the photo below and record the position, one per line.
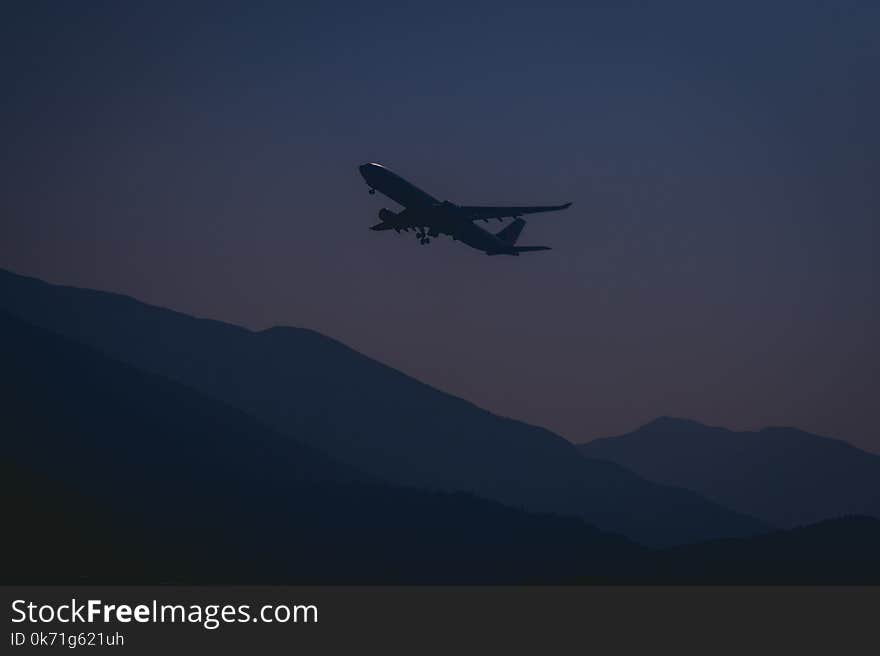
(371, 417)
(114, 475)
(841, 551)
(119, 476)
(782, 475)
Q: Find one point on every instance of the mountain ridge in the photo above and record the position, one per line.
(371, 416)
(147, 480)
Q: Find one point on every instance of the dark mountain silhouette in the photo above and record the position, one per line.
(370, 416)
(844, 551)
(116, 475)
(782, 475)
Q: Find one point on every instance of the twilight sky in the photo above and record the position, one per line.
(719, 262)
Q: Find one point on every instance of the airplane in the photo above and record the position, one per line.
(430, 217)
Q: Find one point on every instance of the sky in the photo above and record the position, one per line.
(718, 263)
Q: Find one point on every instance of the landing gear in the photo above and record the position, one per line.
(423, 237)
(371, 191)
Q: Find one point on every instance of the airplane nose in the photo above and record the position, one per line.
(368, 171)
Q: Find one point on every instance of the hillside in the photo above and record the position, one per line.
(114, 475)
(372, 417)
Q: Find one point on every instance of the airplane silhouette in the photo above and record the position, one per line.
(430, 217)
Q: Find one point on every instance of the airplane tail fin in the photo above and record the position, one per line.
(510, 233)
(529, 249)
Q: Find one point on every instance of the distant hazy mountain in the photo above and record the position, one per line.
(370, 416)
(782, 475)
(115, 475)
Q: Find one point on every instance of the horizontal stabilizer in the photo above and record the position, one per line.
(381, 226)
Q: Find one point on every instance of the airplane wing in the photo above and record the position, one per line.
(483, 212)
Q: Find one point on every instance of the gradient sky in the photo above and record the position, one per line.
(723, 159)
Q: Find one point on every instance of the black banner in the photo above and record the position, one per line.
(412, 620)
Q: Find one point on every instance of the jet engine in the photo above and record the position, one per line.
(387, 215)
